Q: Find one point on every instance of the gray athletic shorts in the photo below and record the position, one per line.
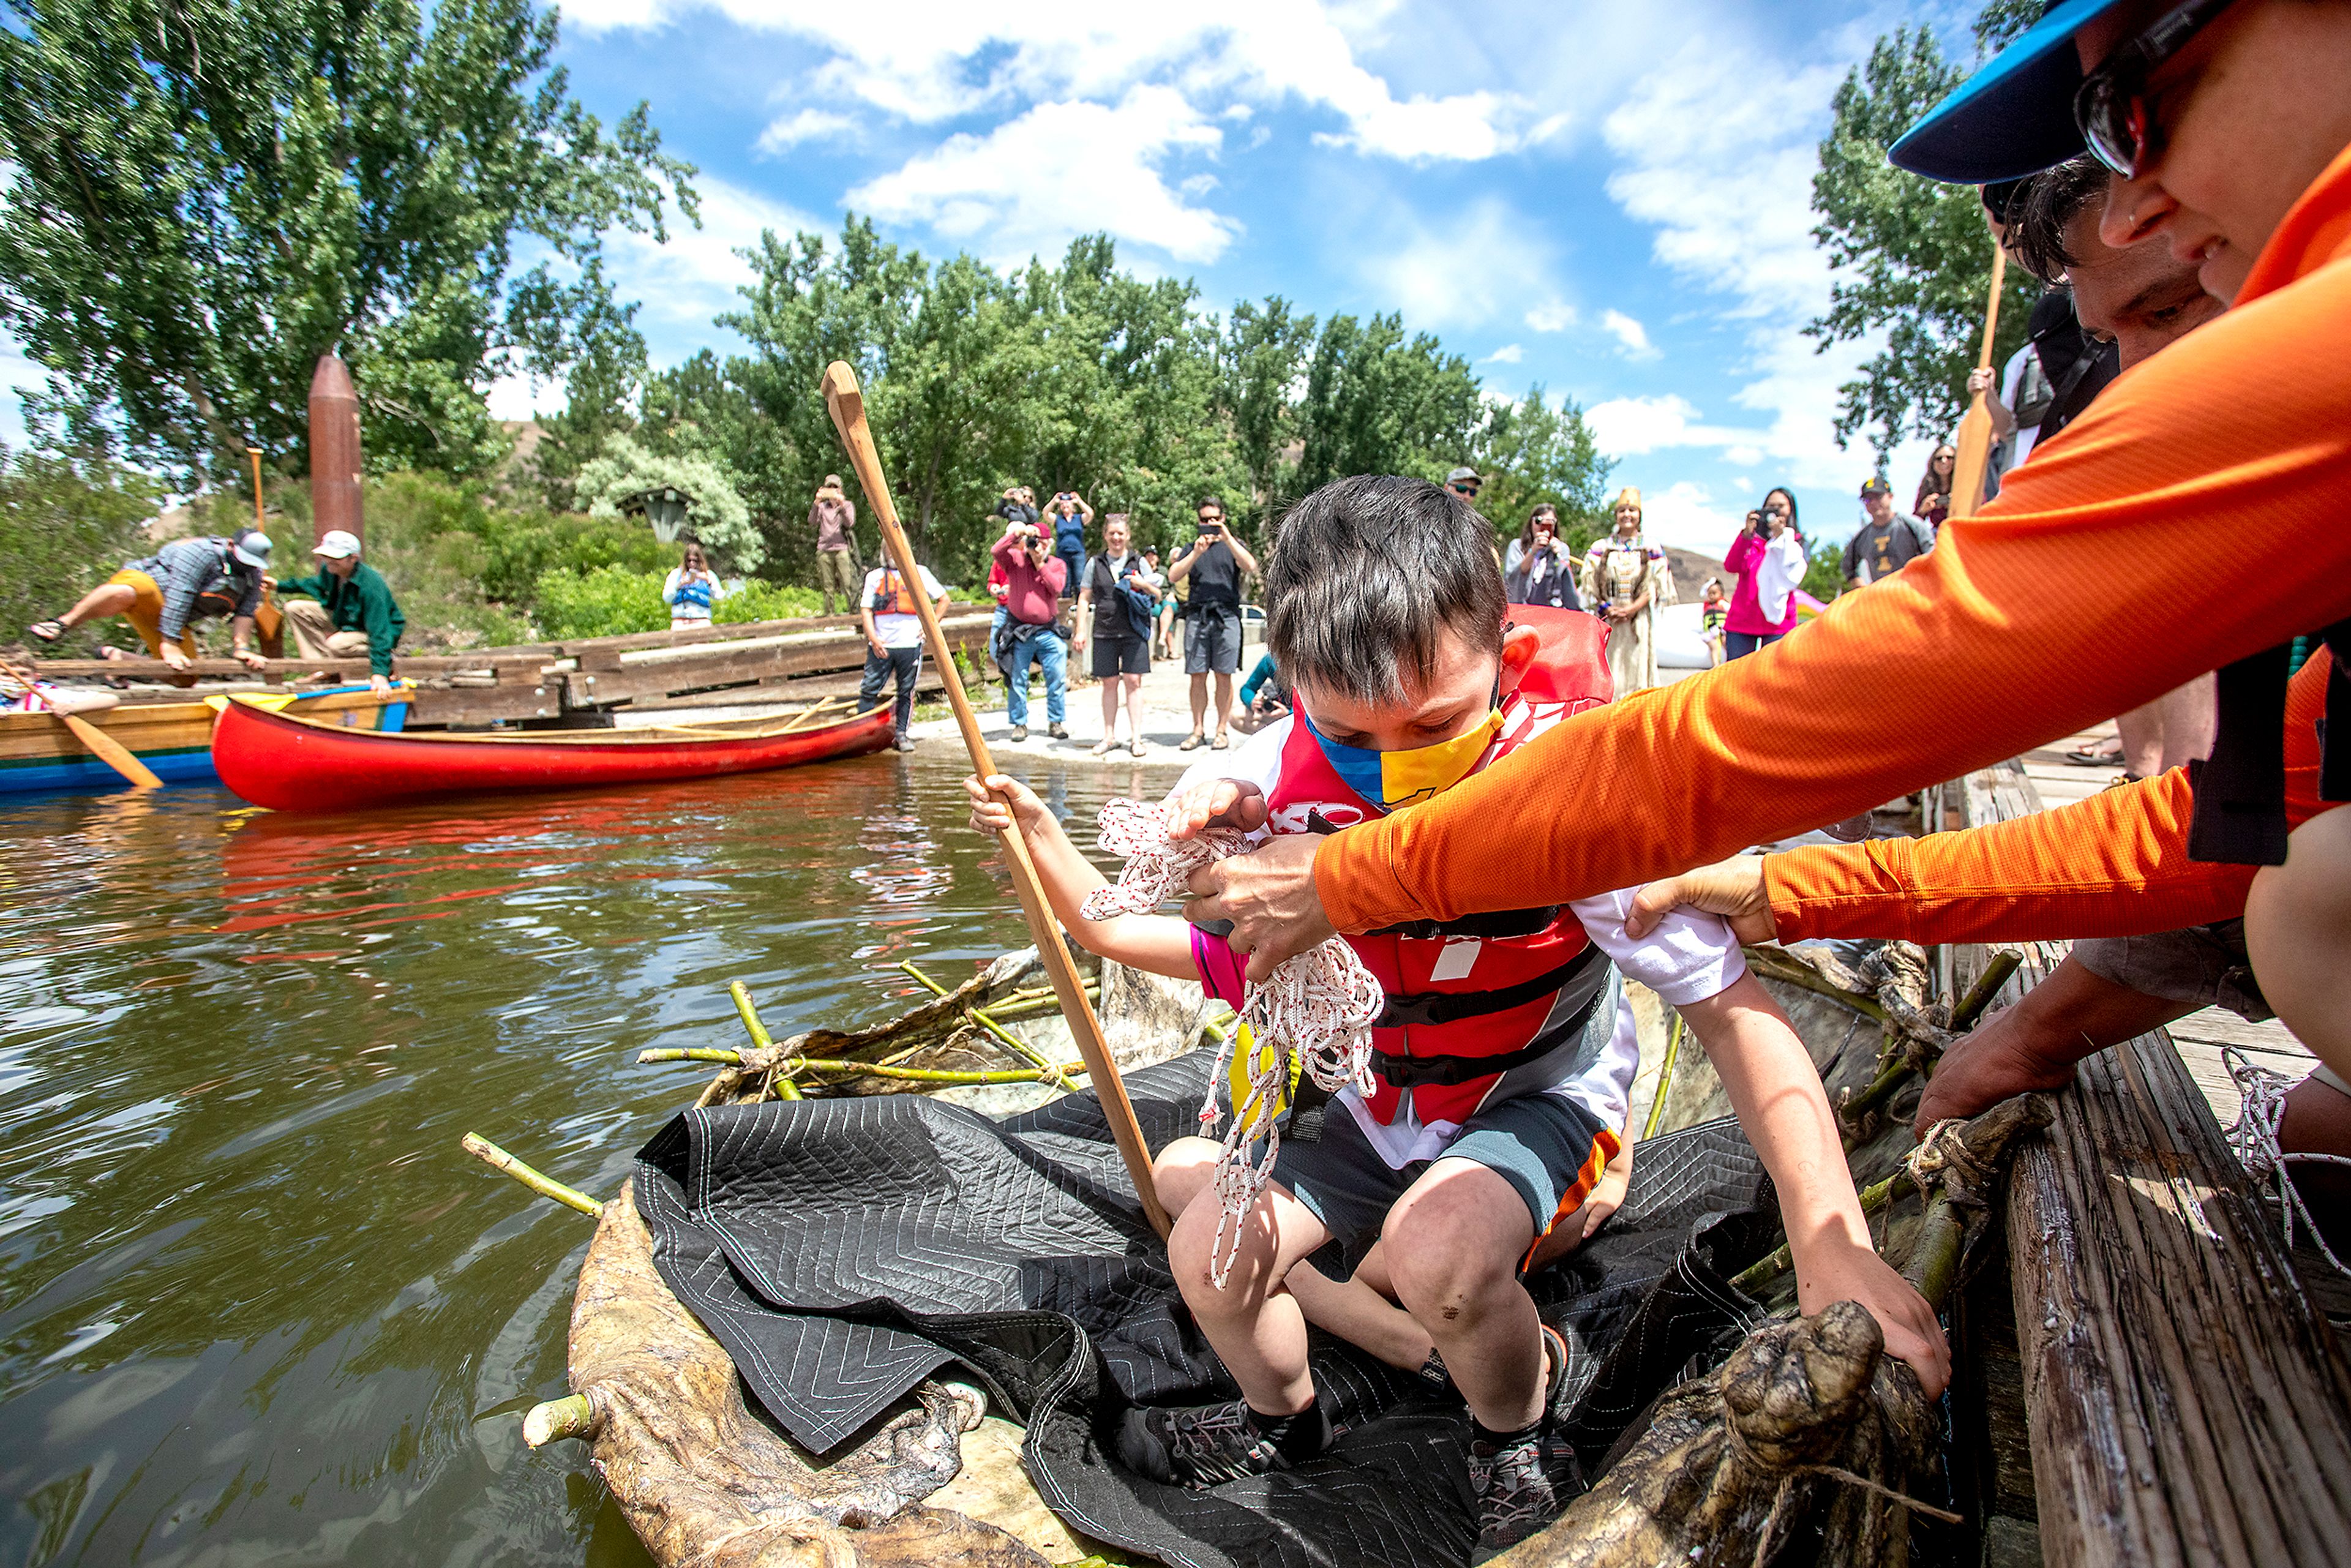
(1548, 1148)
(2203, 964)
(1212, 641)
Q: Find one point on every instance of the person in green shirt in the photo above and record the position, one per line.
(347, 609)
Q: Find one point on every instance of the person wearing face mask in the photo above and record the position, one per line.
(2005, 637)
(1769, 556)
(1503, 1058)
(1539, 574)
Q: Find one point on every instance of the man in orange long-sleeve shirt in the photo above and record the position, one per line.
(2011, 634)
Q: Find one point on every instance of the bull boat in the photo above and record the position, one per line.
(291, 763)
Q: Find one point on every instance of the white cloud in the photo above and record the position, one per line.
(1060, 170)
(787, 131)
(1629, 333)
(1477, 268)
(1724, 175)
(1686, 513)
(1746, 456)
(926, 61)
(1633, 426)
(1508, 354)
(1553, 317)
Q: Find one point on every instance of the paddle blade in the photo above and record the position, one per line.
(1975, 457)
(111, 752)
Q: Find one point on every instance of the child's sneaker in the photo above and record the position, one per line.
(1201, 1444)
(1525, 1479)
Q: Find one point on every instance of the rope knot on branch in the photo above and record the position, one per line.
(1315, 1010)
(1943, 1157)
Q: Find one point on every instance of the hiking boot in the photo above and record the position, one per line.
(1198, 1446)
(1019, 732)
(1059, 732)
(906, 742)
(1526, 1479)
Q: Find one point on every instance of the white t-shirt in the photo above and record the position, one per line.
(900, 631)
(1692, 956)
(2012, 382)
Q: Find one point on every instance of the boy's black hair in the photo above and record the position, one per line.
(1367, 573)
(2045, 205)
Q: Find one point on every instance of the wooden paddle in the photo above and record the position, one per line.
(109, 750)
(1975, 430)
(847, 406)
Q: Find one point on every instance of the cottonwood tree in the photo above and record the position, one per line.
(204, 195)
(1913, 256)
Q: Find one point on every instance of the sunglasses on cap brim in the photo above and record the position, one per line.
(2110, 107)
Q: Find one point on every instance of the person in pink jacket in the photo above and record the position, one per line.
(1769, 556)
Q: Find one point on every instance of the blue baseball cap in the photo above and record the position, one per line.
(2015, 117)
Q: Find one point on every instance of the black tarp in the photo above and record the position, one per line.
(844, 1249)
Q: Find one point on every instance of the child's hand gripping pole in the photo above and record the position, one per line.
(1315, 1008)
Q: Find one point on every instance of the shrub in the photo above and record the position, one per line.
(756, 601)
(601, 602)
(64, 529)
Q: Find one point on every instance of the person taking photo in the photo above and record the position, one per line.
(1214, 564)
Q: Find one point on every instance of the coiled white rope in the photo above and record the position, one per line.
(1315, 1011)
(2255, 1140)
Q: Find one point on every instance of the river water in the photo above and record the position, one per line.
(255, 1306)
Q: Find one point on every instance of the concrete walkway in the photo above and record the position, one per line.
(1167, 720)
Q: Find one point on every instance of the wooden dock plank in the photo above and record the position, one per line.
(2187, 1400)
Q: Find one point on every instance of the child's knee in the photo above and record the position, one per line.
(1435, 1255)
(1183, 1171)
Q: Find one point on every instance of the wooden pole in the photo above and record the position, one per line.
(1975, 430)
(847, 405)
(255, 452)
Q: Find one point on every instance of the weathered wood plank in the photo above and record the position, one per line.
(2188, 1403)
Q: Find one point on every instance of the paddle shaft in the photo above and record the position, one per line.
(847, 405)
(1975, 430)
(109, 750)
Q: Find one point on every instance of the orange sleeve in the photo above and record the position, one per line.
(2052, 875)
(2195, 515)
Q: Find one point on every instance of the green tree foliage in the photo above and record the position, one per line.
(1076, 376)
(719, 518)
(1531, 452)
(1913, 257)
(64, 526)
(205, 195)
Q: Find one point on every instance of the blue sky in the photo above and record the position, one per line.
(1608, 200)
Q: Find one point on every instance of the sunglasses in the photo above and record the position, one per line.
(1463, 489)
(2111, 106)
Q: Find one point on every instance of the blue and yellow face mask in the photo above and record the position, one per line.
(1399, 778)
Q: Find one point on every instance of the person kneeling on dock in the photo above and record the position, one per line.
(1503, 1058)
(163, 596)
(345, 610)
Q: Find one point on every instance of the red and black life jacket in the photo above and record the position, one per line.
(1470, 999)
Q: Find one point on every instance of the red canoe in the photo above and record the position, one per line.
(290, 764)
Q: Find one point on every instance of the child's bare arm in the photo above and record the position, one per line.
(1777, 1092)
(1160, 944)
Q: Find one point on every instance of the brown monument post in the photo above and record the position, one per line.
(335, 456)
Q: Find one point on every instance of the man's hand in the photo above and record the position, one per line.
(879, 651)
(1268, 895)
(1216, 803)
(176, 656)
(1732, 889)
(1979, 381)
(250, 659)
(1837, 1269)
(380, 685)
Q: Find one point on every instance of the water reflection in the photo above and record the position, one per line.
(253, 1304)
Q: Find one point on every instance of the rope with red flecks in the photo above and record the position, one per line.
(1315, 1009)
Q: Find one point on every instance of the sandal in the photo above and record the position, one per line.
(47, 630)
(1105, 747)
(1137, 748)
(2094, 759)
(1222, 742)
(1191, 742)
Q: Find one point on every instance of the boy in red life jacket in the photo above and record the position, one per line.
(1505, 1055)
